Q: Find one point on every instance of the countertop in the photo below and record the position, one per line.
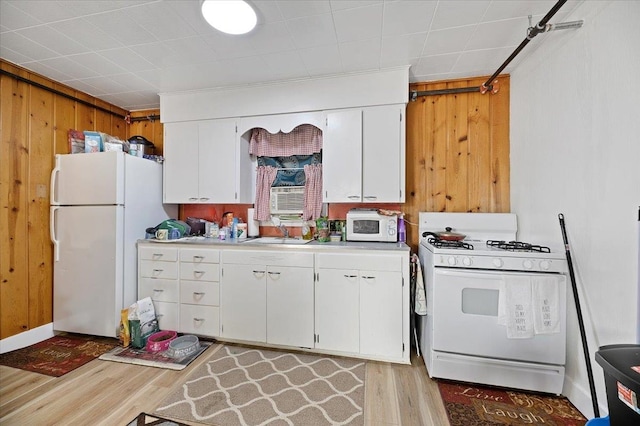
(252, 243)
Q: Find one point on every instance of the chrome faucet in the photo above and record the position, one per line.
(284, 230)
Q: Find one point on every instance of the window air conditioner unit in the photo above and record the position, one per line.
(287, 200)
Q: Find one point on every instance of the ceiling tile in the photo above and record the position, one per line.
(158, 20)
(26, 47)
(60, 43)
(270, 38)
(482, 59)
(499, 10)
(99, 64)
(83, 86)
(284, 65)
(406, 17)
(498, 34)
(15, 18)
(71, 69)
(458, 13)
(121, 26)
(299, 8)
(322, 60)
(13, 56)
(227, 47)
(448, 40)
(405, 46)
(352, 4)
(124, 55)
(360, 55)
(267, 11)
(43, 69)
(358, 24)
(312, 31)
(435, 64)
(86, 34)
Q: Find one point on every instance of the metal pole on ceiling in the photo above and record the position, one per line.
(491, 83)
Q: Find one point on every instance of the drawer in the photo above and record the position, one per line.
(167, 315)
(200, 293)
(159, 289)
(158, 252)
(151, 269)
(199, 255)
(367, 261)
(201, 320)
(200, 271)
(271, 257)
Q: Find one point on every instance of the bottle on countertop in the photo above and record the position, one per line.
(402, 230)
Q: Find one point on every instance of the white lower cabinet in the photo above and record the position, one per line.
(360, 304)
(158, 279)
(200, 291)
(353, 303)
(267, 296)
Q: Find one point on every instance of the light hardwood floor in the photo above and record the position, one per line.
(110, 393)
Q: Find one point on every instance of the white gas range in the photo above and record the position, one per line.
(496, 307)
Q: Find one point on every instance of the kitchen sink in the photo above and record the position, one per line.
(276, 240)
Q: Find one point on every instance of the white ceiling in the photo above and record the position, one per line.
(126, 52)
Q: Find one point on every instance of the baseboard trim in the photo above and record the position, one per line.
(26, 338)
(581, 397)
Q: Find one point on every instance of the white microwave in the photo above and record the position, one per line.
(369, 225)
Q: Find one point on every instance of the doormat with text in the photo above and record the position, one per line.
(471, 404)
(131, 355)
(58, 355)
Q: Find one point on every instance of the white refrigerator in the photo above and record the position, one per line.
(101, 204)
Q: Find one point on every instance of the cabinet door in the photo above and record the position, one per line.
(381, 314)
(337, 310)
(290, 306)
(383, 157)
(180, 168)
(243, 302)
(217, 161)
(342, 156)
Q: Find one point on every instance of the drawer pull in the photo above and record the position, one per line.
(198, 257)
(155, 255)
(158, 290)
(258, 272)
(159, 315)
(198, 319)
(198, 293)
(350, 276)
(368, 278)
(274, 273)
(200, 273)
(158, 270)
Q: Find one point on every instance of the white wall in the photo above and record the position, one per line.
(575, 149)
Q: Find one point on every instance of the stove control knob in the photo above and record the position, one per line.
(527, 264)
(452, 260)
(498, 263)
(545, 265)
(466, 261)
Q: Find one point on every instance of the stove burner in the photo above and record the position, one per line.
(438, 243)
(518, 246)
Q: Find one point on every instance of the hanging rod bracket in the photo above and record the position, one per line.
(493, 88)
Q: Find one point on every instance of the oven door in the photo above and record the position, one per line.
(465, 318)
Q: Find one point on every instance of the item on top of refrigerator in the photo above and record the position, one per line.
(142, 322)
(92, 141)
(143, 146)
(76, 141)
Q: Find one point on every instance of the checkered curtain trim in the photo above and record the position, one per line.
(312, 191)
(303, 140)
(265, 177)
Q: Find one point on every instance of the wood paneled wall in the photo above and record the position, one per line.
(457, 151)
(33, 128)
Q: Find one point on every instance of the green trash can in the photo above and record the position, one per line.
(621, 365)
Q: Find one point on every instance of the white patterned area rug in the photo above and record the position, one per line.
(242, 386)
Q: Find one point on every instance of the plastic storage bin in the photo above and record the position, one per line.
(621, 365)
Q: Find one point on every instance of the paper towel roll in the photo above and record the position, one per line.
(254, 225)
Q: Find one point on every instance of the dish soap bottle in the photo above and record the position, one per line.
(402, 231)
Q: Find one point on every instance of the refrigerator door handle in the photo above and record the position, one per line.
(54, 181)
(52, 231)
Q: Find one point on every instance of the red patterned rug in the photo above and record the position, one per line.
(58, 355)
(475, 405)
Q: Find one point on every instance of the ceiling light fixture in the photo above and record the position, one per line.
(229, 16)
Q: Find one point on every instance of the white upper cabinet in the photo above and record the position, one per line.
(364, 155)
(203, 163)
(342, 156)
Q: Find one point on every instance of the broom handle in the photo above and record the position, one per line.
(587, 359)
